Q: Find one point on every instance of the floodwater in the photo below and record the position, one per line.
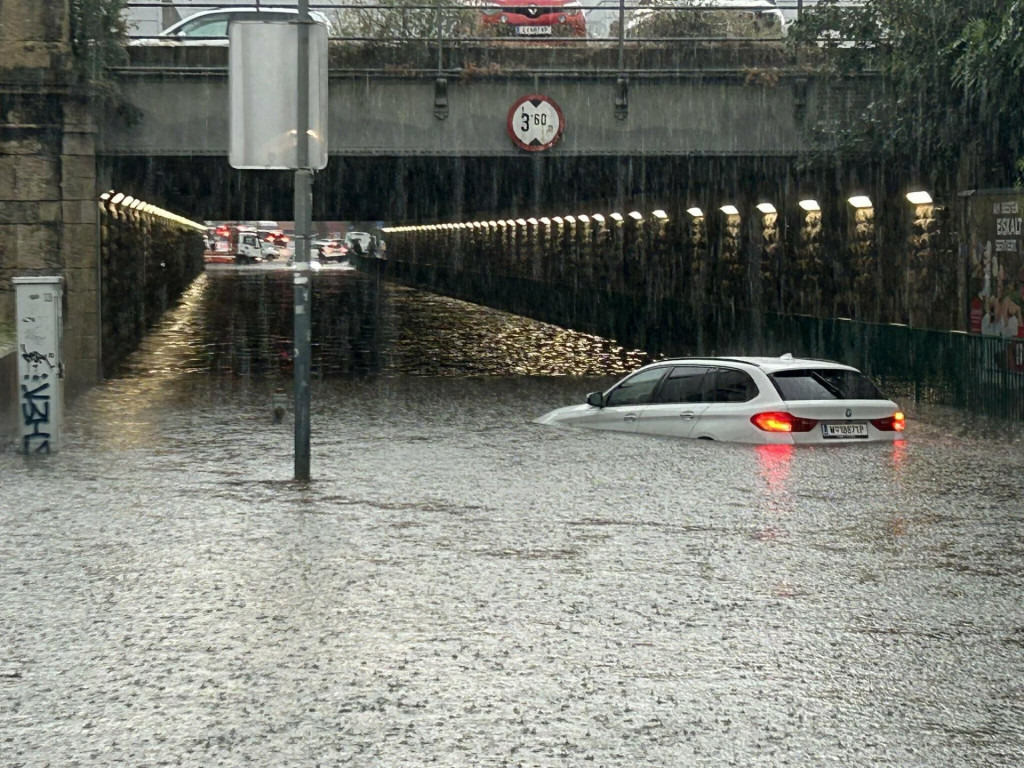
(461, 587)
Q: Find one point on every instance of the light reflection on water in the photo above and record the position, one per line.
(460, 586)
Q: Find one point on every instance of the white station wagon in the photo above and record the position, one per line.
(742, 399)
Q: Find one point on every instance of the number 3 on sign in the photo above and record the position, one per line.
(535, 123)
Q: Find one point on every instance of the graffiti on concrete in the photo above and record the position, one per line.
(34, 358)
(35, 402)
(35, 409)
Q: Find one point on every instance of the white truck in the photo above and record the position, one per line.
(246, 248)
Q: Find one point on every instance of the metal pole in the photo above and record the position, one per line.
(303, 203)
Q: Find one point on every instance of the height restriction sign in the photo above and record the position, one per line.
(535, 123)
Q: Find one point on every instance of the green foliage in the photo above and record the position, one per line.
(951, 78)
(666, 19)
(402, 20)
(98, 37)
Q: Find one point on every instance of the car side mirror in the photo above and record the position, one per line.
(596, 399)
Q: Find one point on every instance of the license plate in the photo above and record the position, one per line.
(533, 30)
(844, 431)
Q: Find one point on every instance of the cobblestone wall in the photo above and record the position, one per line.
(147, 263)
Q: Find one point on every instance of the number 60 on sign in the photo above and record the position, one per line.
(535, 123)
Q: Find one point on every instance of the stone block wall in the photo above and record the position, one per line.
(48, 214)
(147, 264)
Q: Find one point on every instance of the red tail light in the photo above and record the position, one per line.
(781, 421)
(895, 423)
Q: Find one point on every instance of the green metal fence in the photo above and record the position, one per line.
(981, 374)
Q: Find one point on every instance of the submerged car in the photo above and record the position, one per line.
(742, 399)
(539, 18)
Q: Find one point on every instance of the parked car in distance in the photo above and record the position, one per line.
(757, 400)
(210, 27)
(333, 250)
(359, 242)
(541, 18)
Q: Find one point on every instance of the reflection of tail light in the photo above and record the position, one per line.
(781, 421)
(895, 423)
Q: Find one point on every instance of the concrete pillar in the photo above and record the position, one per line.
(48, 213)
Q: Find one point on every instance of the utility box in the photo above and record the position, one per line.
(39, 319)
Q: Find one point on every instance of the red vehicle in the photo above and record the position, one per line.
(333, 250)
(541, 18)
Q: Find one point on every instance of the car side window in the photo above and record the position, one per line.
(728, 385)
(637, 389)
(215, 26)
(682, 385)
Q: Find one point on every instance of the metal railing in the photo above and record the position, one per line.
(588, 23)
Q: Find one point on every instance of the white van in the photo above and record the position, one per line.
(362, 238)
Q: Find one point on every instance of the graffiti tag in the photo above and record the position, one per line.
(35, 410)
(34, 357)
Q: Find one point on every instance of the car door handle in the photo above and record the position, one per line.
(629, 417)
(686, 415)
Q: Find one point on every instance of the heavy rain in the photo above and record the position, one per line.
(457, 584)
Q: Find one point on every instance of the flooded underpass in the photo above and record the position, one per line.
(461, 587)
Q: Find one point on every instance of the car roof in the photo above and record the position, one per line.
(240, 10)
(769, 365)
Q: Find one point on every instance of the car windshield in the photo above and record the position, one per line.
(825, 384)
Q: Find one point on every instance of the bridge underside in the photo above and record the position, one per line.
(425, 189)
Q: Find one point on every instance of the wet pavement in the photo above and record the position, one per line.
(461, 587)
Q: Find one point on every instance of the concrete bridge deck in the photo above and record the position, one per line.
(723, 99)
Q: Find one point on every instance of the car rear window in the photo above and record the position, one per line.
(825, 384)
(728, 385)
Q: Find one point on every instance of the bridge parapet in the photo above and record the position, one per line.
(721, 98)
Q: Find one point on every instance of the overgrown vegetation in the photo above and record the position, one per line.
(403, 20)
(949, 109)
(666, 19)
(98, 37)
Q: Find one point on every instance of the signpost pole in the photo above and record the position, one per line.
(303, 205)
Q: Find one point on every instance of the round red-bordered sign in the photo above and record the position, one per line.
(535, 123)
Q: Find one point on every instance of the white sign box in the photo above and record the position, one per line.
(40, 370)
(263, 86)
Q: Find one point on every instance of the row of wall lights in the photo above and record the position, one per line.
(134, 204)
(582, 218)
(808, 204)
